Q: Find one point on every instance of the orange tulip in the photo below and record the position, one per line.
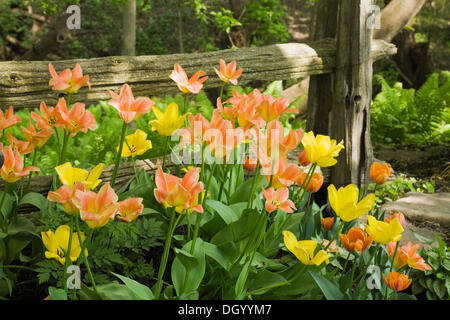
(278, 199)
(303, 159)
(327, 223)
(271, 108)
(398, 215)
(244, 109)
(50, 117)
(129, 108)
(9, 119)
(12, 169)
(275, 144)
(228, 73)
(65, 196)
(250, 163)
(97, 208)
(379, 172)
(283, 175)
(193, 85)
(195, 132)
(407, 255)
(356, 239)
(68, 81)
(397, 281)
(217, 137)
(76, 119)
(129, 209)
(314, 185)
(24, 147)
(179, 193)
(36, 139)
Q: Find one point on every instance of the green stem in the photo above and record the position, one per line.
(221, 92)
(18, 267)
(134, 168)
(199, 215)
(67, 254)
(86, 262)
(346, 261)
(118, 155)
(5, 191)
(280, 284)
(366, 266)
(165, 151)
(33, 162)
(253, 189)
(162, 266)
(64, 147)
(390, 269)
(308, 179)
(341, 225)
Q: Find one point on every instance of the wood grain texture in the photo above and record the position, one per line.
(24, 84)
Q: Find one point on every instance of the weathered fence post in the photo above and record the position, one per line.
(350, 115)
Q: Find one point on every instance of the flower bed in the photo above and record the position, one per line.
(200, 228)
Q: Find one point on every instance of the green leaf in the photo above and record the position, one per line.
(275, 88)
(114, 291)
(186, 275)
(329, 289)
(225, 212)
(214, 252)
(265, 278)
(35, 199)
(423, 239)
(141, 291)
(242, 279)
(57, 294)
(439, 288)
(243, 191)
(22, 228)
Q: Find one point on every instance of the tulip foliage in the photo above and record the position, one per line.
(237, 220)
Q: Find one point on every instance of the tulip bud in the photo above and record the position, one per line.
(379, 172)
(398, 215)
(328, 223)
(303, 159)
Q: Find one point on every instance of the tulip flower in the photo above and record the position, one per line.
(271, 108)
(180, 193)
(315, 182)
(228, 73)
(379, 172)
(9, 119)
(244, 109)
(331, 247)
(50, 116)
(278, 200)
(356, 239)
(304, 250)
(24, 147)
(321, 149)
(250, 163)
(345, 202)
(12, 169)
(129, 209)
(383, 232)
(68, 175)
(303, 159)
(327, 223)
(129, 108)
(168, 122)
(280, 173)
(76, 119)
(397, 281)
(407, 255)
(65, 195)
(193, 85)
(96, 209)
(68, 81)
(36, 139)
(58, 242)
(195, 132)
(275, 144)
(136, 144)
(397, 215)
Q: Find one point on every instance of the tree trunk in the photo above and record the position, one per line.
(350, 115)
(129, 28)
(395, 16)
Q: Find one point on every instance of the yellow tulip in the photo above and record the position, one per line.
(169, 121)
(68, 175)
(304, 250)
(321, 149)
(383, 232)
(56, 243)
(345, 202)
(136, 144)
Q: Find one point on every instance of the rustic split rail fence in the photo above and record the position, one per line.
(347, 57)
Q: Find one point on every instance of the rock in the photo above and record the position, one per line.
(420, 207)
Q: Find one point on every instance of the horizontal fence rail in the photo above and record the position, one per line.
(24, 84)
